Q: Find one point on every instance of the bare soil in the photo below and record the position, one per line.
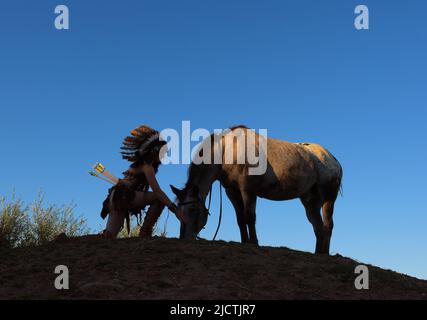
(163, 268)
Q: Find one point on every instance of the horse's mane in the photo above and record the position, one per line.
(194, 169)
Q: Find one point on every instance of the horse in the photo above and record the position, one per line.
(293, 170)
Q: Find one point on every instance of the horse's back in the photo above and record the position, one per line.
(293, 169)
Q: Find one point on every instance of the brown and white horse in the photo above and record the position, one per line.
(292, 170)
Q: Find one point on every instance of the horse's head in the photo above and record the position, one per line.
(191, 203)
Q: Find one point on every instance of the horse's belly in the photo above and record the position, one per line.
(279, 196)
(285, 190)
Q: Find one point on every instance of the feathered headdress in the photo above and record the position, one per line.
(142, 141)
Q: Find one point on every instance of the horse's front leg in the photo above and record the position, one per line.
(249, 204)
(237, 202)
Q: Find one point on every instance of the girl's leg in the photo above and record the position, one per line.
(151, 218)
(116, 218)
(114, 224)
(143, 199)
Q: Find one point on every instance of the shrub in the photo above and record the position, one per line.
(14, 223)
(37, 224)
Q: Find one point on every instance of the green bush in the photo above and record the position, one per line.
(37, 224)
(15, 225)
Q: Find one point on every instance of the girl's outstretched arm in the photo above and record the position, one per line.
(150, 174)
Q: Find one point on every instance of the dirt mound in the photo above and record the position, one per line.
(171, 269)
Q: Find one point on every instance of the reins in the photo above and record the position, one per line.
(220, 210)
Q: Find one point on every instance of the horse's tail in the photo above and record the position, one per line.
(339, 175)
(340, 187)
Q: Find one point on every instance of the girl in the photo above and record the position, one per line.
(131, 194)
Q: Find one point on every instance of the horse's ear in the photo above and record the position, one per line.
(176, 191)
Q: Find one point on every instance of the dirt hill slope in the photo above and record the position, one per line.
(171, 269)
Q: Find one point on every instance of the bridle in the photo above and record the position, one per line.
(199, 202)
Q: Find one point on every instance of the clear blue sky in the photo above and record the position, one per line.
(297, 68)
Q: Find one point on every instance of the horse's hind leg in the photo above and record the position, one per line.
(237, 202)
(312, 208)
(330, 193)
(249, 204)
(328, 223)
